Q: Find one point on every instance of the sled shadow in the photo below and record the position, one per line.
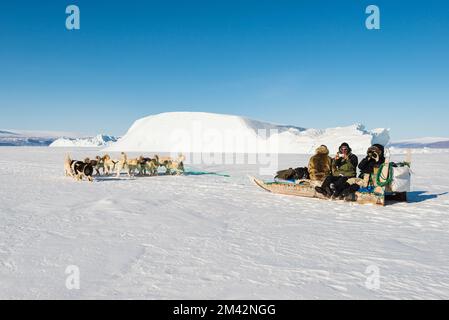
(420, 196)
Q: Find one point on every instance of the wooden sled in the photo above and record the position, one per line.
(306, 188)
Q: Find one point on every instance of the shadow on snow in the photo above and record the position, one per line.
(420, 196)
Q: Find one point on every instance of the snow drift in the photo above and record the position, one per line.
(208, 132)
(97, 141)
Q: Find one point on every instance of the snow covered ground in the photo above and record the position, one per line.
(213, 237)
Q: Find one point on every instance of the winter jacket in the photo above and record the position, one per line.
(320, 165)
(345, 167)
(368, 164)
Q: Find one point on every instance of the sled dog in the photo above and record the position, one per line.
(173, 166)
(149, 165)
(68, 172)
(129, 165)
(97, 164)
(82, 170)
(108, 164)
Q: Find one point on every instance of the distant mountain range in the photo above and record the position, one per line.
(30, 138)
(26, 138)
(419, 143)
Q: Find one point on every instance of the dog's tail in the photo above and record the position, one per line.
(114, 164)
(68, 158)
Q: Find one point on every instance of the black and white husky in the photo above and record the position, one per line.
(82, 169)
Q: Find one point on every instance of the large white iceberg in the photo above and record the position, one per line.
(209, 132)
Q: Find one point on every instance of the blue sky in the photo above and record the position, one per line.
(307, 63)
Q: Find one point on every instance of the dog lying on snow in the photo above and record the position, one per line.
(78, 169)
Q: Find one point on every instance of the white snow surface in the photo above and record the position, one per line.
(100, 140)
(213, 237)
(208, 132)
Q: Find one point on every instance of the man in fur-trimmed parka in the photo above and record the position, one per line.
(320, 165)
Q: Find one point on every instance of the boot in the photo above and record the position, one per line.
(349, 193)
(354, 188)
(345, 192)
(329, 192)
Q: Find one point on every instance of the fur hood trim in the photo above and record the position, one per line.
(322, 150)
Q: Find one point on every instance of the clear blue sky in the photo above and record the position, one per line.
(307, 63)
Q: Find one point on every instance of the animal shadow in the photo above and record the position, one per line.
(111, 179)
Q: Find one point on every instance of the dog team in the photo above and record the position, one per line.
(80, 170)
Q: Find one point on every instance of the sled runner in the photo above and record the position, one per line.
(306, 188)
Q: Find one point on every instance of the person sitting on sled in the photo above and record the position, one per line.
(320, 165)
(374, 158)
(344, 167)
